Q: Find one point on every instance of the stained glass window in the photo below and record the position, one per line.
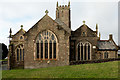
(48, 46)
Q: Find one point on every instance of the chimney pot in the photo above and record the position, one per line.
(110, 37)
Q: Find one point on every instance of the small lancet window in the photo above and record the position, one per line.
(39, 37)
(37, 45)
(83, 33)
(54, 49)
(46, 49)
(50, 48)
(21, 37)
(52, 37)
(20, 53)
(17, 54)
(41, 49)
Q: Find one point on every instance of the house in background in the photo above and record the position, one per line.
(52, 43)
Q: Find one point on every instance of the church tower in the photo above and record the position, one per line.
(63, 13)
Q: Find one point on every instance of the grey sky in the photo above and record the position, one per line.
(24, 12)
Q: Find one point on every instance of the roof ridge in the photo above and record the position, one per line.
(103, 40)
(19, 31)
(63, 24)
(39, 21)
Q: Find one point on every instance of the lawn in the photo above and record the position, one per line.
(95, 70)
(4, 60)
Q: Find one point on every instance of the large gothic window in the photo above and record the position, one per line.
(83, 51)
(20, 53)
(46, 45)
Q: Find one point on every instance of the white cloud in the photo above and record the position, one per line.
(14, 13)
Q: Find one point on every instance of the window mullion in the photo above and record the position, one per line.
(19, 54)
(43, 50)
(56, 50)
(80, 51)
(87, 52)
(90, 52)
(52, 50)
(35, 53)
(16, 54)
(39, 50)
(48, 50)
(83, 51)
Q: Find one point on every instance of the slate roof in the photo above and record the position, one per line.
(84, 25)
(106, 45)
(38, 22)
(64, 26)
(58, 21)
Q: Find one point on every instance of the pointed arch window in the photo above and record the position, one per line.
(37, 45)
(88, 51)
(20, 53)
(47, 45)
(17, 54)
(83, 51)
(50, 48)
(106, 55)
(46, 49)
(78, 51)
(54, 49)
(41, 49)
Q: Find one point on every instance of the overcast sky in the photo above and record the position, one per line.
(14, 13)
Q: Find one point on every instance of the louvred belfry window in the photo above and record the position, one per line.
(46, 46)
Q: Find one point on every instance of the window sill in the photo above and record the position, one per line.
(19, 61)
(45, 59)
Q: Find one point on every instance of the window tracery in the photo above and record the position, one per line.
(46, 45)
(20, 53)
(83, 51)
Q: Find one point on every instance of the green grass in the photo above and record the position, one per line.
(119, 56)
(4, 60)
(96, 70)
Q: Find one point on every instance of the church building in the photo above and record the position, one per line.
(51, 43)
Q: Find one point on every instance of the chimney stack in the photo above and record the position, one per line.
(110, 37)
(97, 29)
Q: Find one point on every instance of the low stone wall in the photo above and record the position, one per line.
(94, 61)
(3, 65)
(4, 62)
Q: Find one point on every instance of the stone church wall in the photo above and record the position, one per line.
(111, 54)
(63, 45)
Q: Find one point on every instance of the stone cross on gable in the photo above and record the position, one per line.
(83, 22)
(21, 26)
(46, 12)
